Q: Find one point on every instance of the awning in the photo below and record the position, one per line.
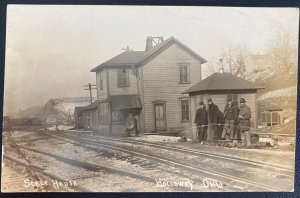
(123, 102)
(89, 107)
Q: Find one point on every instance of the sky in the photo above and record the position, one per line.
(50, 49)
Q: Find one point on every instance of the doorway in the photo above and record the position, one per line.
(160, 116)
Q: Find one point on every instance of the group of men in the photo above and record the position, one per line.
(232, 124)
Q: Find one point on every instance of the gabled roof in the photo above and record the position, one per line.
(138, 58)
(223, 81)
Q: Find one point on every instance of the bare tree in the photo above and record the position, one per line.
(211, 67)
(282, 50)
(234, 58)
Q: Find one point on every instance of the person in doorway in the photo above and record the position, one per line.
(201, 123)
(244, 123)
(131, 124)
(230, 114)
(213, 118)
(136, 126)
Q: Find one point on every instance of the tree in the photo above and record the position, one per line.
(234, 58)
(282, 50)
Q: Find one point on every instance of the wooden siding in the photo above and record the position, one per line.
(161, 81)
(113, 83)
(103, 129)
(90, 120)
(101, 94)
(118, 129)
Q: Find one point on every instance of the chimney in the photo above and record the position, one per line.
(149, 43)
(221, 69)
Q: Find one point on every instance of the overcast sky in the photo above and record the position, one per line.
(51, 49)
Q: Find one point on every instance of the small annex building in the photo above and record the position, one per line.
(219, 87)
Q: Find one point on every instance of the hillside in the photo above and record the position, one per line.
(30, 112)
(280, 93)
(59, 110)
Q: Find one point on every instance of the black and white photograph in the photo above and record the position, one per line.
(112, 98)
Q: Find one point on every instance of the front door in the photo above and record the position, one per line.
(160, 117)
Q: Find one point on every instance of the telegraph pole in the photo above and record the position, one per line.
(90, 87)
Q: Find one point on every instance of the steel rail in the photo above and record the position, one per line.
(160, 159)
(201, 153)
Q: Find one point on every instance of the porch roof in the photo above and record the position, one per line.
(89, 107)
(125, 102)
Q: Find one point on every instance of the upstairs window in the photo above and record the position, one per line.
(184, 73)
(123, 78)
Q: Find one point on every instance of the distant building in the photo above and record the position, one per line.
(148, 83)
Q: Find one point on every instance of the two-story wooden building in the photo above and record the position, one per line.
(152, 82)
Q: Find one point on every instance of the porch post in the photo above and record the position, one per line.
(193, 129)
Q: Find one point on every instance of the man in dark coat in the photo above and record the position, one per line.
(201, 122)
(230, 115)
(244, 123)
(213, 118)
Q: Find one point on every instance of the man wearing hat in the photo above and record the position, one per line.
(201, 122)
(230, 114)
(213, 118)
(244, 123)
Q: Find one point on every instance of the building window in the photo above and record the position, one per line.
(185, 110)
(116, 116)
(184, 73)
(270, 118)
(101, 81)
(123, 77)
(104, 113)
(235, 99)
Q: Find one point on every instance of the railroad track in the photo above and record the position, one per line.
(242, 161)
(243, 184)
(77, 163)
(35, 172)
(96, 168)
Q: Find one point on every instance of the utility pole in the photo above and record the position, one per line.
(90, 87)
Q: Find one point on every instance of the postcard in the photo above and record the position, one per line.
(149, 99)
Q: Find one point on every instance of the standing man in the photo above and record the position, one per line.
(230, 114)
(244, 123)
(201, 122)
(213, 118)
